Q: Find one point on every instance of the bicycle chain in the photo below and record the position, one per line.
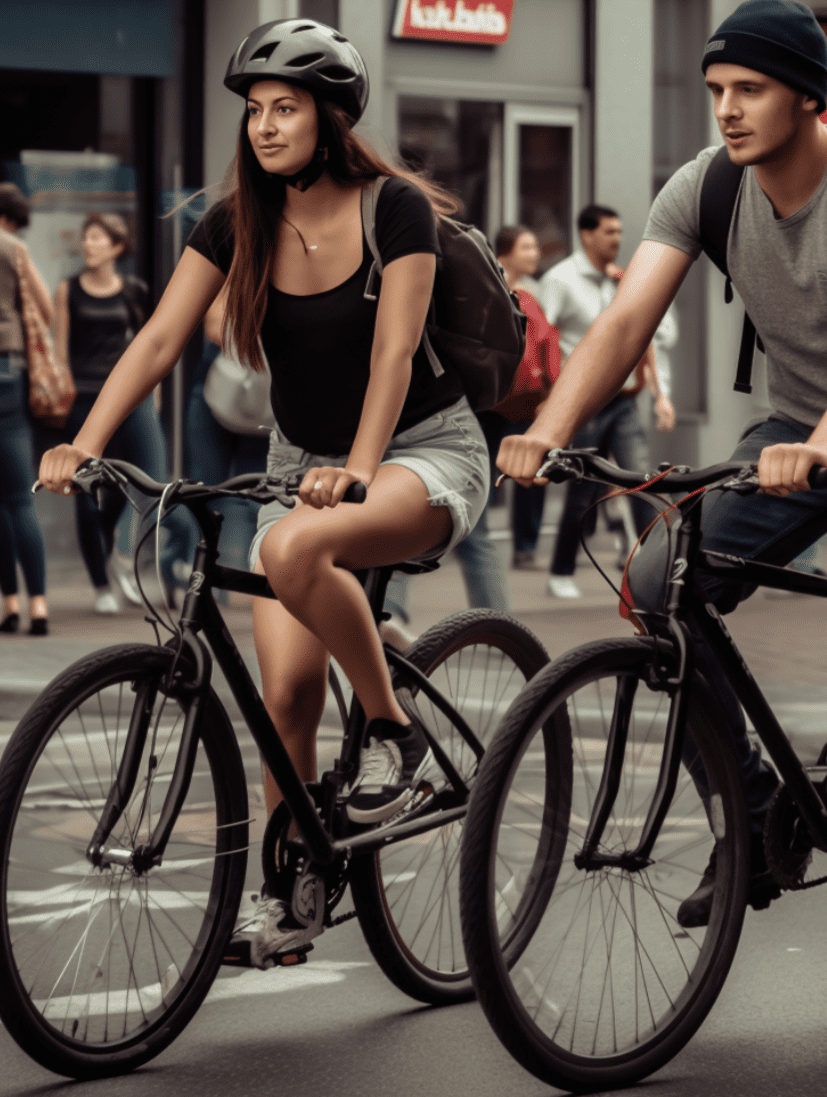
(786, 863)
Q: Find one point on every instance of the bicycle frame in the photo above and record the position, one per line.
(684, 609)
(200, 614)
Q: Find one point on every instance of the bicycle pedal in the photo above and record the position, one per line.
(238, 955)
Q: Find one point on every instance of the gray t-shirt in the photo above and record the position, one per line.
(778, 266)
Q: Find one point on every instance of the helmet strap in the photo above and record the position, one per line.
(310, 173)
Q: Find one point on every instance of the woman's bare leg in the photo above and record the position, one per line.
(294, 676)
(308, 558)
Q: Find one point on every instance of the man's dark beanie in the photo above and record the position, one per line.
(778, 38)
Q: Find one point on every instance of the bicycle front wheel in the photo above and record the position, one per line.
(584, 973)
(407, 895)
(102, 968)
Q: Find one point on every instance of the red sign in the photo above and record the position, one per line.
(481, 22)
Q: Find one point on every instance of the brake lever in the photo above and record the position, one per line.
(745, 483)
(558, 469)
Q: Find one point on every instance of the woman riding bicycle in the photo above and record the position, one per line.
(354, 396)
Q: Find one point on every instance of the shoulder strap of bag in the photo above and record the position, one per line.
(719, 193)
(370, 200)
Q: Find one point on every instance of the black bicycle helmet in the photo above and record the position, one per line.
(303, 52)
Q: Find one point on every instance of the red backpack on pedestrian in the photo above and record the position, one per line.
(538, 369)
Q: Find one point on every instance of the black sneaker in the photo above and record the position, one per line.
(694, 911)
(396, 759)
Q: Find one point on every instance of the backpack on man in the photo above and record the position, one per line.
(475, 324)
(719, 193)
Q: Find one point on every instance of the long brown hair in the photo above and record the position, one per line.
(254, 207)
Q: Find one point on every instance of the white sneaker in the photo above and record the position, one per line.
(563, 586)
(393, 632)
(124, 575)
(276, 927)
(106, 603)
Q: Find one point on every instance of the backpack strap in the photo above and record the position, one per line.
(719, 193)
(370, 200)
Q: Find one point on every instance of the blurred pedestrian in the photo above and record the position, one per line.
(212, 453)
(518, 250)
(574, 293)
(21, 539)
(98, 312)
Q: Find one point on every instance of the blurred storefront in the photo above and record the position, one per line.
(102, 108)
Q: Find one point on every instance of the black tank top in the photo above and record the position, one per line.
(100, 330)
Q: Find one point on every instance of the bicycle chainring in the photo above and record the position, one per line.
(787, 842)
(283, 858)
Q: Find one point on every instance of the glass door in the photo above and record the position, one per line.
(541, 185)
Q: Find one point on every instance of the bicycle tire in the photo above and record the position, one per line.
(597, 985)
(102, 968)
(407, 894)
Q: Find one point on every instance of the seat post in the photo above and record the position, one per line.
(375, 581)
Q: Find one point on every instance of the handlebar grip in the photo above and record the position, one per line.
(817, 476)
(357, 492)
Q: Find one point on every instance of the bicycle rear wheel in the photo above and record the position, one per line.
(585, 974)
(102, 968)
(407, 895)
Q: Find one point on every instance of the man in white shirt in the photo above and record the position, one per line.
(573, 294)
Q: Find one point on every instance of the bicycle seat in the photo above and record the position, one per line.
(417, 567)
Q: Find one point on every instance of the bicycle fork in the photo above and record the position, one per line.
(590, 857)
(151, 853)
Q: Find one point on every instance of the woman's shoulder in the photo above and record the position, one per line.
(405, 221)
(212, 235)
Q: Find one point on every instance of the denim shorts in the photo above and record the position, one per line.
(447, 452)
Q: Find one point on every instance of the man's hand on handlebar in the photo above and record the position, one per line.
(783, 468)
(58, 466)
(521, 455)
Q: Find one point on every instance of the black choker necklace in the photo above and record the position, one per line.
(309, 174)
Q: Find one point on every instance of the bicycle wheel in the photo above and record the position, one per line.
(102, 968)
(407, 895)
(585, 974)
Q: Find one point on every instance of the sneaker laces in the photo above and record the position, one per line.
(265, 907)
(373, 766)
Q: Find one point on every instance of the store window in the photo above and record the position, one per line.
(540, 177)
(459, 144)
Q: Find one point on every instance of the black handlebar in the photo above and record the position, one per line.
(570, 464)
(97, 473)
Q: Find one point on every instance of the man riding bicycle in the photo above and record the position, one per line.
(766, 68)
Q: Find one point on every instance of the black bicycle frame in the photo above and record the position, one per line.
(201, 614)
(684, 609)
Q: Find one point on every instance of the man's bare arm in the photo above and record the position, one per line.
(603, 359)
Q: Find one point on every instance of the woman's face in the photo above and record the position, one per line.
(282, 125)
(525, 255)
(98, 247)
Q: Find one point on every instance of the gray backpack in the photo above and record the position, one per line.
(475, 325)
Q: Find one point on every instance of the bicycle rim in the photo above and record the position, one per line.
(586, 975)
(105, 966)
(480, 661)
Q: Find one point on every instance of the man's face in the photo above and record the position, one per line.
(757, 115)
(604, 241)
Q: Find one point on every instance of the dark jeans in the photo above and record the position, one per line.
(615, 430)
(527, 503)
(139, 440)
(21, 539)
(756, 527)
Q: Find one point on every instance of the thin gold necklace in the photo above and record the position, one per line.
(307, 247)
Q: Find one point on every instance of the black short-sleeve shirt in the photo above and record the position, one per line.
(319, 345)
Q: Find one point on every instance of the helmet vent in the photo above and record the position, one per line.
(335, 72)
(338, 38)
(263, 53)
(305, 60)
(304, 26)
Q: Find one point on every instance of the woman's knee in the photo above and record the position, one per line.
(291, 558)
(295, 702)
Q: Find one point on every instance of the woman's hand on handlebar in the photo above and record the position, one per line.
(783, 468)
(521, 455)
(325, 487)
(58, 467)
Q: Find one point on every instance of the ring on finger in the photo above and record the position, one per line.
(318, 485)
(67, 490)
